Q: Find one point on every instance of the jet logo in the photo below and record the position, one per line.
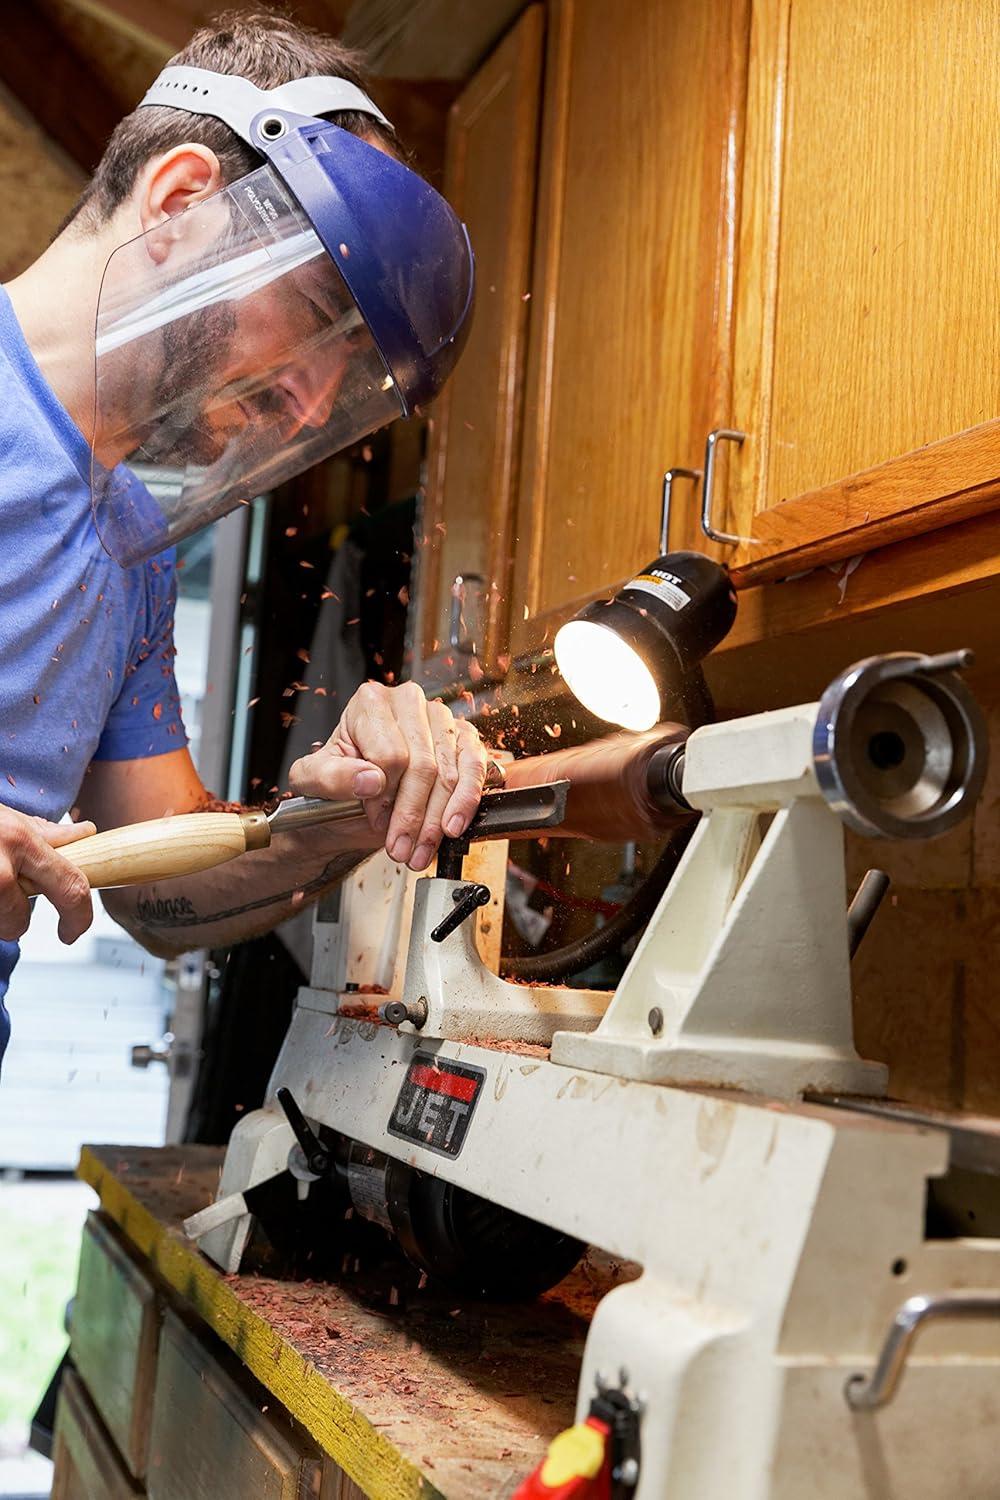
(435, 1103)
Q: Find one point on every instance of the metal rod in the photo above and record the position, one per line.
(973, 1140)
(302, 812)
(456, 619)
(867, 899)
(668, 489)
(721, 434)
(864, 1393)
(949, 661)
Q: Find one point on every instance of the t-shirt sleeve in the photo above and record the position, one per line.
(145, 718)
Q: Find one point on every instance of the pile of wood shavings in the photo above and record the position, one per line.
(527, 1049)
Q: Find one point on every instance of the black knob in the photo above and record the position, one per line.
(467, 898)
(316, 1155)
(395, 1012)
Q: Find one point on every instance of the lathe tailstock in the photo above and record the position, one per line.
(802, 1324)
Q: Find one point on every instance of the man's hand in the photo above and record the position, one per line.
(418, 770)
(27, 851)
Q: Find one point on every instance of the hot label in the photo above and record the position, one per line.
(435, 1103)
(663, 586)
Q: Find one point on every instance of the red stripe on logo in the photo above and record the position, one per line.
(439, 1082)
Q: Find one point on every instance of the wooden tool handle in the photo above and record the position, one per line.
(164, 848)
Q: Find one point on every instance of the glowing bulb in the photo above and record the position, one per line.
(607, 675)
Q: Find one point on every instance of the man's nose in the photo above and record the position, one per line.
(316, 387)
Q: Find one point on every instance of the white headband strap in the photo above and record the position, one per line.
(237, 102)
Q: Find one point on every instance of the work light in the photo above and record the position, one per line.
(625, 658)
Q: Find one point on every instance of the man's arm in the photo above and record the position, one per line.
(417, 770)
(236, 901)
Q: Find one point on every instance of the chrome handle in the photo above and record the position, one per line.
(668, 486)
(721, 434)
(143, 1054)
(870, 1393)
(457, 601)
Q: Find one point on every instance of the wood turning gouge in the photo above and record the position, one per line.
(187, 843)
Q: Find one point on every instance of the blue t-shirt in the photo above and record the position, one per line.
(86, 647)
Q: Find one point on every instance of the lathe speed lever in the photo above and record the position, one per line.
(468, 899)
(317, 1157)
(861, 913)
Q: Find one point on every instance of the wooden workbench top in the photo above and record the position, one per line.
(438, 1395)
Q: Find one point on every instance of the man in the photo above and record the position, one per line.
(266, 287)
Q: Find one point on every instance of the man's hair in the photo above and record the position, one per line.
(259, 44)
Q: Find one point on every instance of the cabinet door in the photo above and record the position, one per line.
(632, 288)
(115, 1323)
(472, 468)
(210, 1441)
(86, 1466)
(865, 366)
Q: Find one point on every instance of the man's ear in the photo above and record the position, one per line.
(170, 183)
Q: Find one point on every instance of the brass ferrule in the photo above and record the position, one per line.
(256, 830)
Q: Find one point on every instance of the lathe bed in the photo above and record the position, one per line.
(441, 1396)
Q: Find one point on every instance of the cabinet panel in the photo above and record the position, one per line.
(632, 286)
(869, 285)
(473, 459)
(86, 1466)
(210, 1441)
(114, 1339)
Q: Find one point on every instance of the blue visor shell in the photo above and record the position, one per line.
(401, 249)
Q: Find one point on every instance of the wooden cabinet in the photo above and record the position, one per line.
(86, 1465)
(150, 1400)
(475, 444)
(628, 363)
(771, 216)
(211, 1442)
(764, 215)
(868, 301)
(115, 1323)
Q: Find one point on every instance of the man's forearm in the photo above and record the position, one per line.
(235, 901)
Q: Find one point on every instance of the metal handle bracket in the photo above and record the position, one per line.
(869, 1393)
(668, 486)
(719, 435)
(456, 620)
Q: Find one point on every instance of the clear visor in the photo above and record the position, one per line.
(230, 357)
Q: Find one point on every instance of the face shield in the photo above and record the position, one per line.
(270, 326)
(230, 354)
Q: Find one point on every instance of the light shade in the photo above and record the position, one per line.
(626, 658)
(607, 675)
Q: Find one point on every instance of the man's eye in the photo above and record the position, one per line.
(319, 318)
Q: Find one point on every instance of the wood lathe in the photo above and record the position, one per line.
(803, 1323)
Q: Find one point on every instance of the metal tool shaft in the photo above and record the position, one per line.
(304, 812)
(499, 813)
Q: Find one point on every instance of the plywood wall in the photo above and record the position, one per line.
(927, 978)
(38, 187)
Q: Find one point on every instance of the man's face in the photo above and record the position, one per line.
(253, 364)
(250, 372)
(283, 365)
